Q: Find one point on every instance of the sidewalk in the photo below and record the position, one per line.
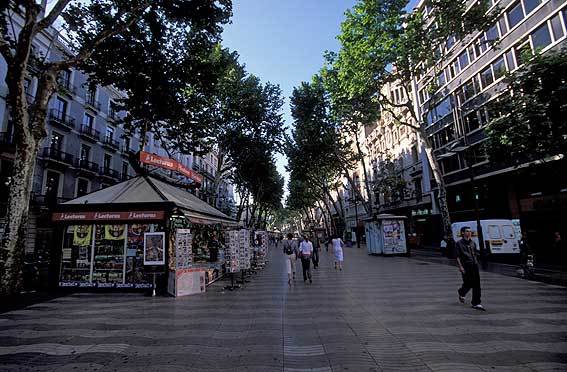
(552, 274)
(378, 314)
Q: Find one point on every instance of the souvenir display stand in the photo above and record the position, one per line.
(261, 249)
(385, 234)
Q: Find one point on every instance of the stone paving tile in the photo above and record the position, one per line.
(379, 314)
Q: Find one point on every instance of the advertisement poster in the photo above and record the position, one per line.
(186, 282)
(154, 248)
(394, 236)
(82, 235)
(183, 250)
(114, 232)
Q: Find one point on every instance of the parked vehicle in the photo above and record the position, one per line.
(500, 236)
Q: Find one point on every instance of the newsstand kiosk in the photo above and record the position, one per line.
(125, 235)
(385, 234)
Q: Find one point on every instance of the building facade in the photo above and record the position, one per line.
(469, 79)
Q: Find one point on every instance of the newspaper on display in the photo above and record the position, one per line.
(244, 248)
(183, 251)
(232, 252)
(262, 249)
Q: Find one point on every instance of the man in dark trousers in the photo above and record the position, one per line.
(467, 261)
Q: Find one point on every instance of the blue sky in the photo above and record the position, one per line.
(282, 41)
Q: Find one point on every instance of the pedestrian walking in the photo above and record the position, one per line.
(306, 252)
(316, 249)
(467, 261)
(290, 250)
(338, 245)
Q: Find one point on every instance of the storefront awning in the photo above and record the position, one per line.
(142, 190)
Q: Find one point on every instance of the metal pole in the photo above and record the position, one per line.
(356, 223)
(477, 216)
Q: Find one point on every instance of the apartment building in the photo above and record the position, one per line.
(469, 79)
(86, 147)
(399, 170)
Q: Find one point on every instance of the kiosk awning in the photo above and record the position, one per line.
(145, 190)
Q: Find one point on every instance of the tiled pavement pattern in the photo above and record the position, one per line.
(379, 314)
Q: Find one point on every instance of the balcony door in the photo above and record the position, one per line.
(52, 186)
(56, 142)
(85, 154)
(60, 108)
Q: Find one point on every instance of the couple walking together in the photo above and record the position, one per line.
(308, 251)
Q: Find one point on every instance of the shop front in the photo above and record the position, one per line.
(128, 234)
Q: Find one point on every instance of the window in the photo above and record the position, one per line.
(541, 37)
(510, 60)
(471, 122)
(483, 116)
(451, 41)
(492, 34)
(52, 185)
(499, 68)
(109, 132)
(85, 153)
(91, 95)
(557, 28)
(451, 164)
(88, 121)
(441, 79)
(508, 231)
(463, 59)
(515, 15)
(60, 107)
(124, 169)
(107, 161)
(486, 77)
(82, 187)
(502, 26)
(494, 232)
(56, 141)
(127, 143)
(530, 5)
(64, 78)
(469, 89)
(523, 52)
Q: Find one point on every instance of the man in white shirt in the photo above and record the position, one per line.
(306, 251)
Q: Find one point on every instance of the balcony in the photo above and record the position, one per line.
(57, 156)
(65, 86)
(110, 173)
(86, 166)
(113, 114)
(61, 120)
(92, 103)
(110, 143)
(127, 151)
(89, 133)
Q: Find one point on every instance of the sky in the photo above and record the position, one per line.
(282, 41)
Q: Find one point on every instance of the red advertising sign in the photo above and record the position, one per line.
(166, 163)
(108, 216)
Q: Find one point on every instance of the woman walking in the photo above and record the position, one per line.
(338, 251)
(290, 250)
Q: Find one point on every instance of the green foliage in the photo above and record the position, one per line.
(534, 124)
(314, 151)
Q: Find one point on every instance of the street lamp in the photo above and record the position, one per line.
(457, 148)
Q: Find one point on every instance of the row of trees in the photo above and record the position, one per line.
(179, 83)
(382, 44)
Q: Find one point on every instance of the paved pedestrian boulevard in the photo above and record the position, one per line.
(379, 314)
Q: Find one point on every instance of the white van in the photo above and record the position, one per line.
(500, 236)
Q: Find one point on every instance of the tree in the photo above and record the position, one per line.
(531, 125)
(381, 44)
(316, 157)
(115, 34)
